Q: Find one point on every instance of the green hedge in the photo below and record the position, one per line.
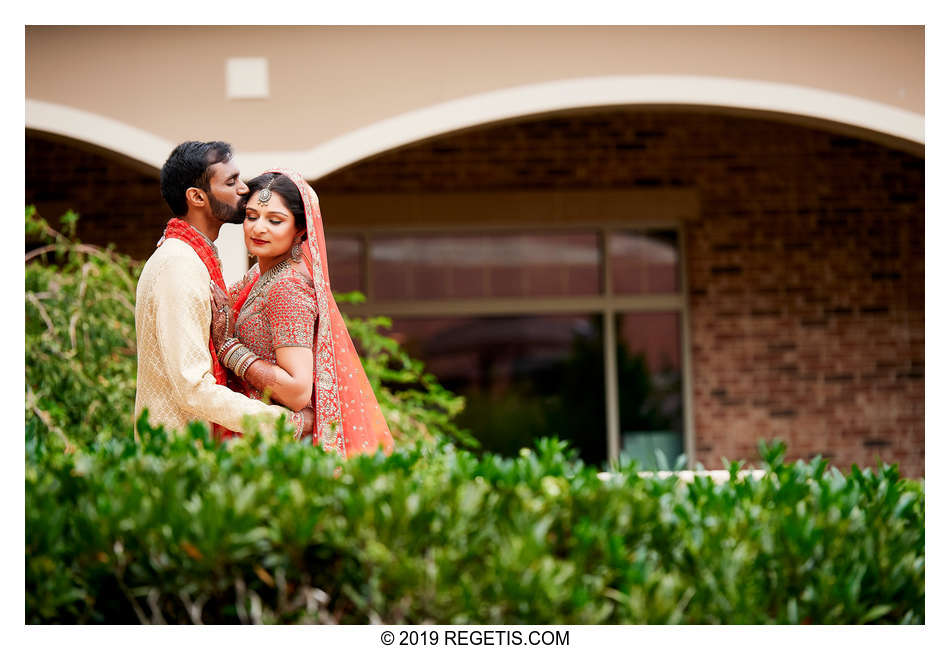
(178, 529)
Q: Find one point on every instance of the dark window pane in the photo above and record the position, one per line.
(644, 262)
(434, 267)
(523, 377)
(345, 259)
(649, 371)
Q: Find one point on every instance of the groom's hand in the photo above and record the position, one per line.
(222, 327)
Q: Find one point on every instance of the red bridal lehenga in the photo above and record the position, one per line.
(279, 308)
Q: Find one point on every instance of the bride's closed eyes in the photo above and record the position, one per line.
(276, 219)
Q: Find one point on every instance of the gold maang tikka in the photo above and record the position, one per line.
(264, 195)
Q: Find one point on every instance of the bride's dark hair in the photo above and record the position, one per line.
(288, 192)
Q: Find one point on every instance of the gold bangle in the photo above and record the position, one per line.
(239, 356)
(245, 364)
(235, 353)
(227, 346)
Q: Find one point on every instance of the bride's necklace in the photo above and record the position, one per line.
(266, 278)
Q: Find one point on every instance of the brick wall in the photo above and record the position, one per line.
(805, 268)
(117, 203)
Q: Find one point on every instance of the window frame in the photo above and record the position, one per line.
(606, 304)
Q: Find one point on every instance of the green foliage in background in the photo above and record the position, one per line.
(178, 529)
(80, 349)
(80, 336)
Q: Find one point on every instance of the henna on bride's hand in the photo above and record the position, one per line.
(261, 375)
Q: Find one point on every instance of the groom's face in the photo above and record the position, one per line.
(226, 191)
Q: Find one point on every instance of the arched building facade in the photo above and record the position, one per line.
(690, 239)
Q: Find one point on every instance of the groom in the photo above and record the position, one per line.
(179, 377)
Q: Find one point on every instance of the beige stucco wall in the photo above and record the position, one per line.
(325, 82)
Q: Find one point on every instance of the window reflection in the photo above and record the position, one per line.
(345, 262)
(433, 267)
(523, 377)
(644, 262)
(528, 376)
(649, 369)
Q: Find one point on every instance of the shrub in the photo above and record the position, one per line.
(179, 529)
(80, 337)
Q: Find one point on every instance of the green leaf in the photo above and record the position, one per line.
(875, 613)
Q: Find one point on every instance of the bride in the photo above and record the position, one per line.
(283, 311)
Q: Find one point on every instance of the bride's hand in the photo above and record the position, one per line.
(222, 327)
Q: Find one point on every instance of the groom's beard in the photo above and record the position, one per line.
(226, 213)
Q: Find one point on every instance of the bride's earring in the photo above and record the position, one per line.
(295, 251)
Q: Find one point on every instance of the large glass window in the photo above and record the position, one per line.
(537, 366)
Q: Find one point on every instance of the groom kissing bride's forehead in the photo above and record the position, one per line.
(180, 378)
(209, 353)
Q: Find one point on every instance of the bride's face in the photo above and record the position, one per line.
(269, 230)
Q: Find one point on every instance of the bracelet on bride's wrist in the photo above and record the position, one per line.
(298, 425)
(245, 364)
(227, 346)
(232, 355)
(237, 356)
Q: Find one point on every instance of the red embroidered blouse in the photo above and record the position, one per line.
(284, 314)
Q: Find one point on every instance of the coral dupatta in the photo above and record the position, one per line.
(347, 418)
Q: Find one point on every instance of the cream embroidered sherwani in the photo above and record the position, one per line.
(172, 327)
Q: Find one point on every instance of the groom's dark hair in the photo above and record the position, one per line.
(189, 165)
